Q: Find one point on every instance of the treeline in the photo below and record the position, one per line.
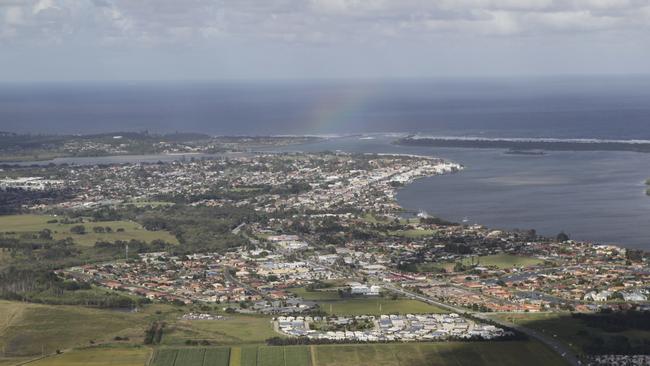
(154, 334)
(12, 199)
(45, 287)
(235, 194)
(200, 228)
(615, 322)
(297, 341)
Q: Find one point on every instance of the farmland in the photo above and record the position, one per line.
(413, 354)
(439, 354)
(119, 230)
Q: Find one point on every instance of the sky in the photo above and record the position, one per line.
(94, 40)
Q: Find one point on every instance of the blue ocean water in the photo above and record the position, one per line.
(597, 196)
(605, 107)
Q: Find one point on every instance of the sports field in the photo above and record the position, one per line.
(377, 306)
(35, 223)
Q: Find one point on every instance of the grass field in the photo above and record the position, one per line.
(248, 356)
(235, 330)
(378, 306)
(132, 356)
(27, 329)
(35, 223)
(297, 356)
(438, 354)
(190, 357)
(270, 356)
(316, 295)
(217, 357)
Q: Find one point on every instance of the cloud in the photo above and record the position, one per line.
(330, 37)
(309, 21)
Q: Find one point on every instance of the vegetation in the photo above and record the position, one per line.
(235, 329)
(614, 333)
(501, 261)
(99, 356)
(87, 233)
(439, 354)
(29, 329)
(526, 145)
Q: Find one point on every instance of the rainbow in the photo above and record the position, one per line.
(336, 110)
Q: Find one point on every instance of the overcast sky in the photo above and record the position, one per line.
(280, 39)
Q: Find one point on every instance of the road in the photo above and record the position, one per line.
(565, 352)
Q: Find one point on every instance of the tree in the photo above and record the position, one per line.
(78, 229)
(562, 237)
(45, 234)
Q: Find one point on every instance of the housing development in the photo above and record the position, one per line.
(316, 245)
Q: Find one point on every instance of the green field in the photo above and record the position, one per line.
(189, 357)
(270, 356)
(28, 329)
(297, 356)
(132, 356)
(393, 354)
(35, 223)
(378, 306)
(316, 295)
(217, 357)
(192, 357)
(234, 330)
(248, 356)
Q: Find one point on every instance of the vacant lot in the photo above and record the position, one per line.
(134, 356)
(35, 223)
(234, 330)
(27, 329)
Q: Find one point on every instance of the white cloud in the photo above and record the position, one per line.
(159, 22)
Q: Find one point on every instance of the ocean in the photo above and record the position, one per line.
(605, 107)
(597, 196)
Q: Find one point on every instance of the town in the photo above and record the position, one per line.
(316, 241)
